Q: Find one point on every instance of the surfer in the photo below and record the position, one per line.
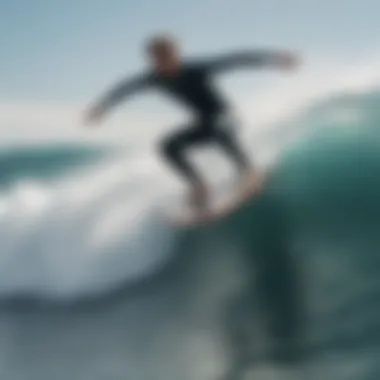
(190, 82)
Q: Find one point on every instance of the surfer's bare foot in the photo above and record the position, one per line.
(250, 178)
(199, 197)
(257, 182)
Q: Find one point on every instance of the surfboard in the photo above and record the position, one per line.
(225, 204)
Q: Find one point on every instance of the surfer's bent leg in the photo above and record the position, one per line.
(173, 149)
(226, 138)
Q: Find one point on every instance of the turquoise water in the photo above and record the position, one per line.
(289, 284)
(46, 162)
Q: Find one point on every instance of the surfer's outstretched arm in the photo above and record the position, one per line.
(113, 97)
(258, 58)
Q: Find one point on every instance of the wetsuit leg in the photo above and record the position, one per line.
(209, 129)
(173, 149)
(225, 137)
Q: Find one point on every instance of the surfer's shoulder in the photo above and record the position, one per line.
(195, 65)
(147, 77)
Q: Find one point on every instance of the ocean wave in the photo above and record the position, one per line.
(46, 162)
(97, 227)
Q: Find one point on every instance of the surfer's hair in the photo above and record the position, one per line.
(161, 43)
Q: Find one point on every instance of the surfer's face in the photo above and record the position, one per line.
(165, 57)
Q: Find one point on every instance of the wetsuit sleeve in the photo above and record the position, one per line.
(243, 59)
(123, 90)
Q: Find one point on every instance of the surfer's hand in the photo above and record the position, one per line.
(94, 116)
(288, 61)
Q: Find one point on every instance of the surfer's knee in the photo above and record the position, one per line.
(170, 148)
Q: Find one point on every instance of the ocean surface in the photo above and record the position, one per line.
(95, 284)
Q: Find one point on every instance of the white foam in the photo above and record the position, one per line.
(81, 237)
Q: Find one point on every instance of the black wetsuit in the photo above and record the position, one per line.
(193, 87)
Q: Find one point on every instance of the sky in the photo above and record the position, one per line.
(57, 55)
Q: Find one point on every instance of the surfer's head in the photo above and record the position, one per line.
(164, 53)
